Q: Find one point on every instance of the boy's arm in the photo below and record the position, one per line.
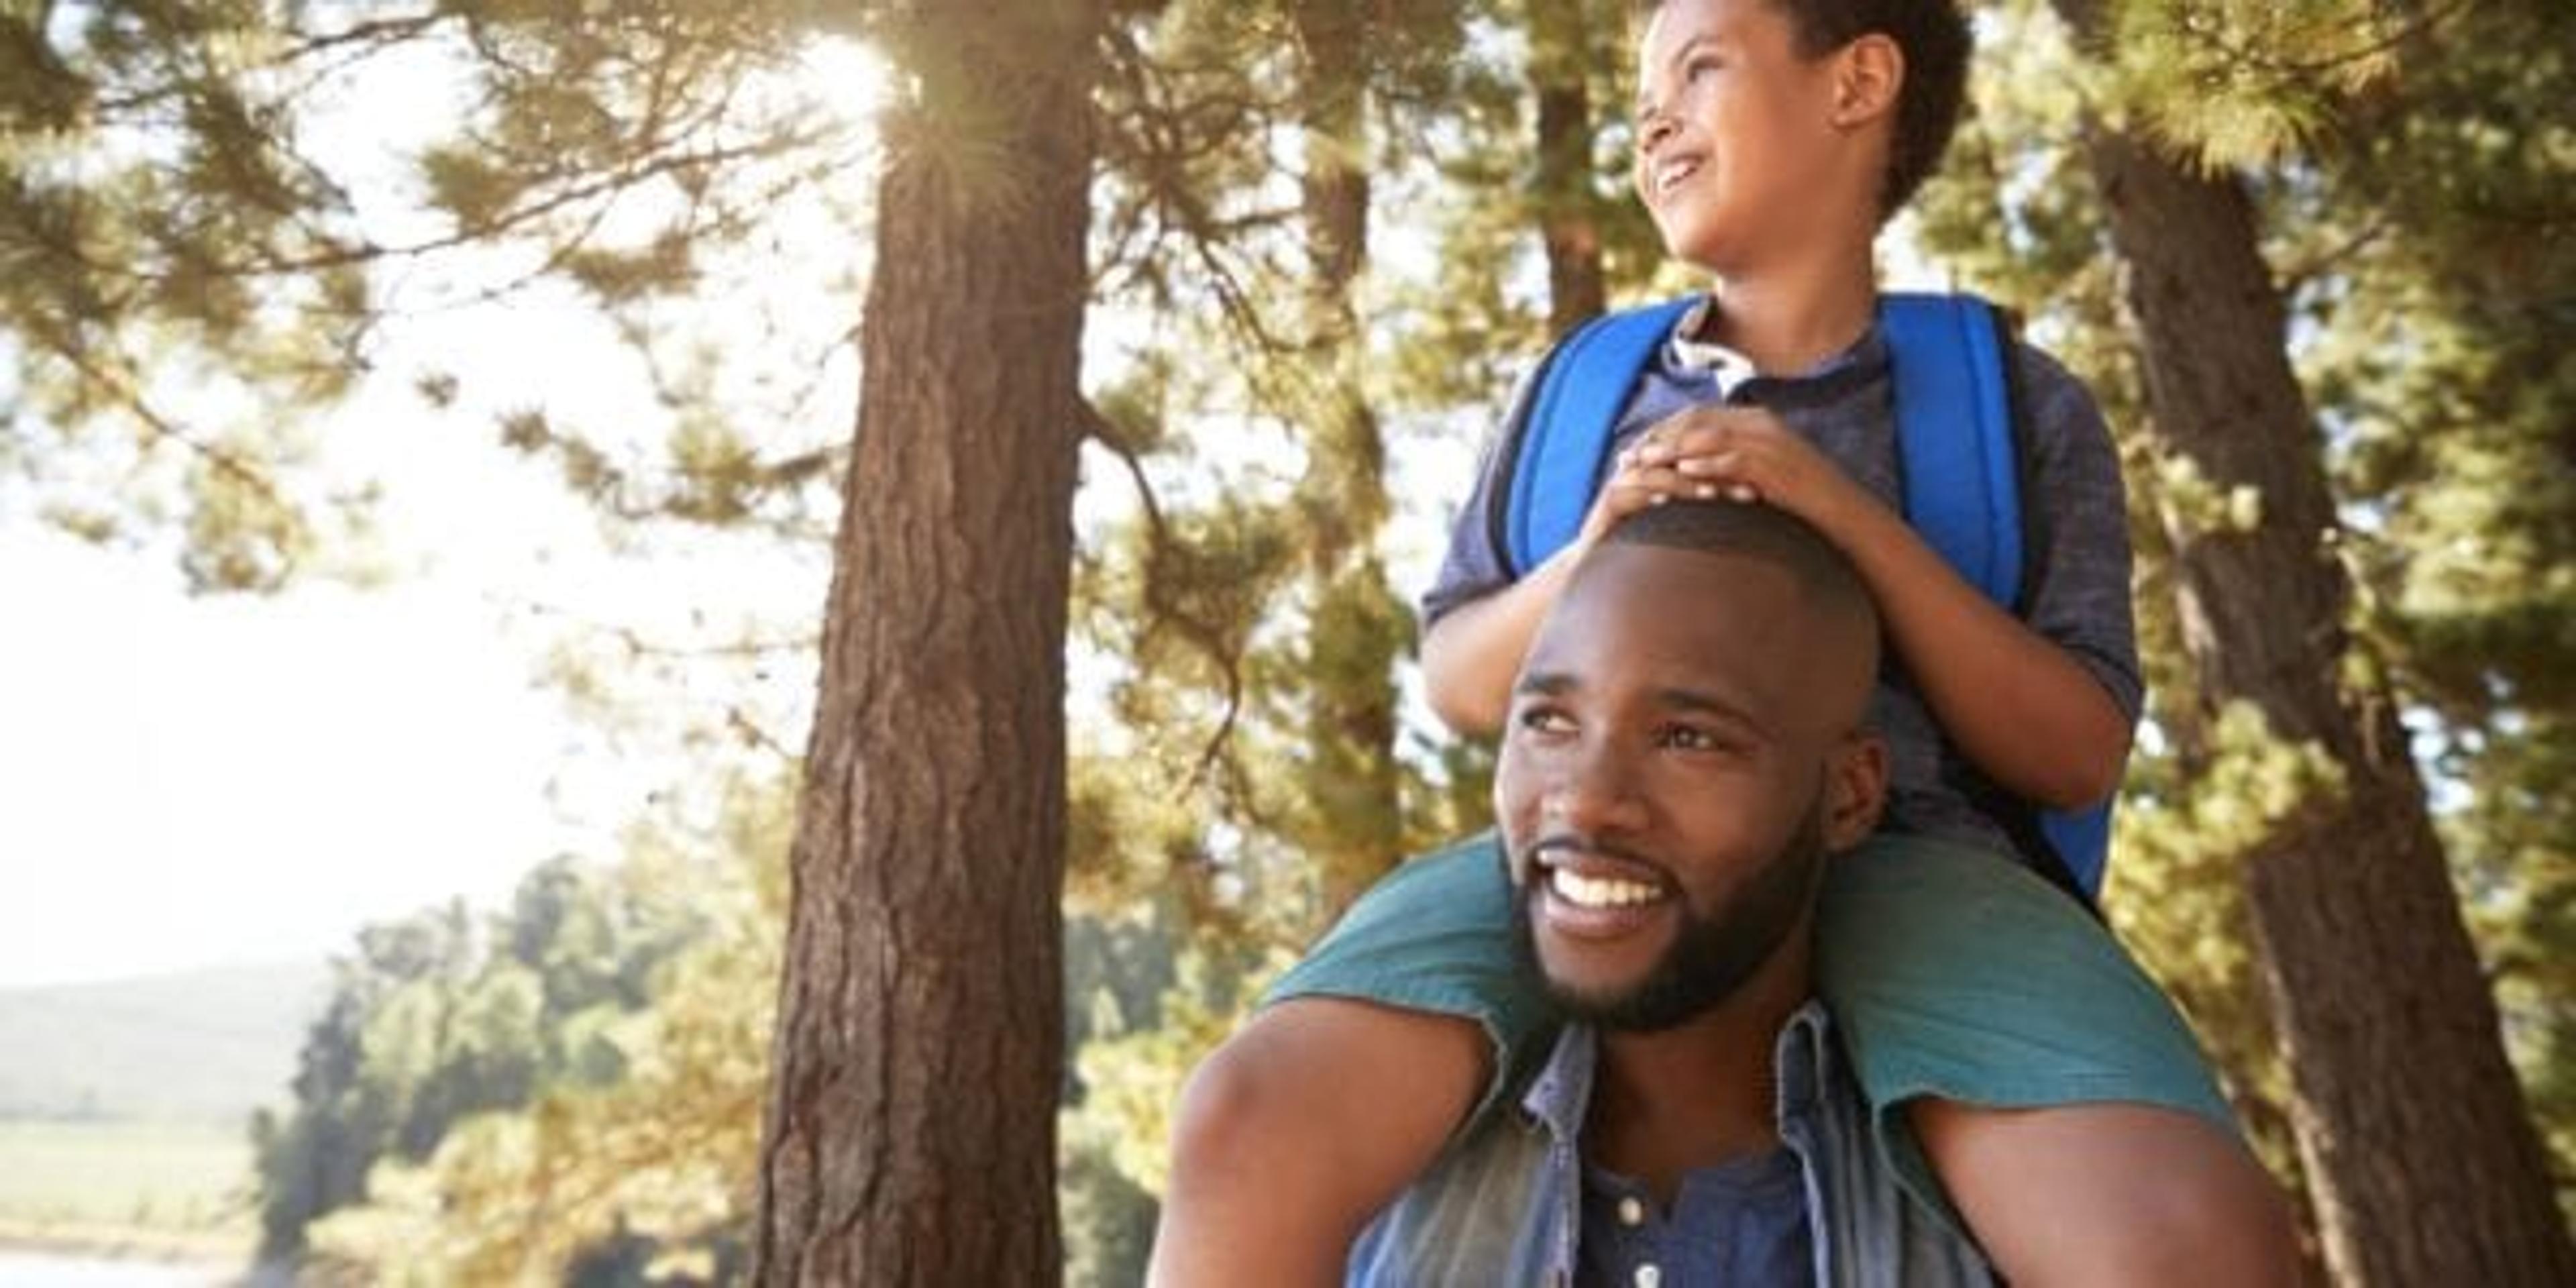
(2023, 709)
(1471, 653)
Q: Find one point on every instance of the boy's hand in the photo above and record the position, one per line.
(1744, 453)
(1633, 485)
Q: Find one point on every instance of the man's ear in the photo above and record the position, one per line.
(1869, 73)
(1855, 789)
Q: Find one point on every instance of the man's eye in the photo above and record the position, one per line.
(1699, 67)
(1694, 738)
(1544, 720)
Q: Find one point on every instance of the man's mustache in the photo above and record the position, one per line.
(1577, 843)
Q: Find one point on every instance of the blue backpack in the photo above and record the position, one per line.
(1955, 446)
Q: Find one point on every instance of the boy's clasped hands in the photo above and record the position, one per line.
(1745, 454)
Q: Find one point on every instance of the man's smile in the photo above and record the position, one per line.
(1591, 892)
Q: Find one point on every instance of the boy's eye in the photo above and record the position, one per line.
(1699, 67)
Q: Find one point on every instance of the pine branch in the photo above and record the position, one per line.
(2378, 226)
(1161, 611)
(2419, 28)
(120, 389)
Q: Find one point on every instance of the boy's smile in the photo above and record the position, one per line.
(1670, 170)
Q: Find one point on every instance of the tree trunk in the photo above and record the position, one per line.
(2421, 1157)
(1559, 58)
(910, 1136)
(1353, 820)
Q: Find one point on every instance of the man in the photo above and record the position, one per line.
(1684, 752)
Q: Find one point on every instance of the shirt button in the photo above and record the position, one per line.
(1632, 1213)
(1648, 1276)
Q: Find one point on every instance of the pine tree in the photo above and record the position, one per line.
(2407, 1033)
(930, 845)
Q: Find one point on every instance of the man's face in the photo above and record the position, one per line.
(1737, 151)
(1677, 760)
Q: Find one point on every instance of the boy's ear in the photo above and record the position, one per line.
(1869, 73)
(1855, 790)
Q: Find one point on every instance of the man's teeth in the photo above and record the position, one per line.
(1599, 892)
(1674, 172)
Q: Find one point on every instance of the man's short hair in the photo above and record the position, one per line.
(1763, 532)
(1934, 37)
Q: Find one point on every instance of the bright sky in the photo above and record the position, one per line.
(196, 781)
(189, 781)
(213, 779)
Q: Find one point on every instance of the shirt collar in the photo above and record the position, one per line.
(1685, 355)
(1561, 1094)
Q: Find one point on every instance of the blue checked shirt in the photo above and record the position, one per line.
(1505, 1206)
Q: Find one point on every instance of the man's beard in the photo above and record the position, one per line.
(1710, 957)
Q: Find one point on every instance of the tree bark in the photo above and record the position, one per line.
(1559, 58)
(910, 1135)
(2420, 1154)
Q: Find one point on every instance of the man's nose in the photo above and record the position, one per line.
(1596, 789)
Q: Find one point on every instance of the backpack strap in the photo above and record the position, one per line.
(1962, 467)
(1563, 441)
(1954, 435)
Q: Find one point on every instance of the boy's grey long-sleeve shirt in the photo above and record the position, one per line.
(2075, 521)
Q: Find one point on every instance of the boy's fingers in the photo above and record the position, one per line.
(1704, 441)
(1638, 489)
(1679, 436)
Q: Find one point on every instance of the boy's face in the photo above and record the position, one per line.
(1740, 159)
(1678, 757)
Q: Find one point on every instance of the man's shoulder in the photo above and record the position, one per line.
(1486, 1212)
(1876, 1227)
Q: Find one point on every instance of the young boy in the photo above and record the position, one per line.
(2060, 1101)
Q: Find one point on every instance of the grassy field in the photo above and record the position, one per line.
(125, 1185)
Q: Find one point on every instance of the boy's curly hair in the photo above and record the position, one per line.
(1933, 34)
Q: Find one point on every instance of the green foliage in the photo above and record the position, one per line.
(2440, 244)
(1246, 601)
(159, 225)
(2189, 821)
(190, 280)
(434, 1020)
(645, 1151)
(2248, 84)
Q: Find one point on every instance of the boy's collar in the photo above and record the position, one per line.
(1685, 354)
(1688, 353)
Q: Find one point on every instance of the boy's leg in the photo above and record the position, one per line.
(2006, 1042)
(1366, 1058)
(2109, 1194)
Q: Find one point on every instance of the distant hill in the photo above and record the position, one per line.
(198, 1046)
